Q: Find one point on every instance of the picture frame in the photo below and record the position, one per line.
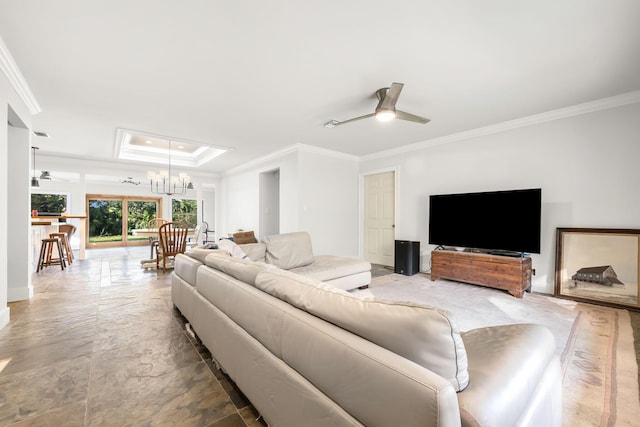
(599, 266)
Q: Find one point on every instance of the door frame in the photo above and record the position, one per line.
(361, 203)
(124, 241)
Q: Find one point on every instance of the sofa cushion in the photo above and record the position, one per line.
(186, 268)
(289, 250)
(244, 270)
(506, 364)
(329, 267)
(201, 253)
(255, 251)
(424, 335)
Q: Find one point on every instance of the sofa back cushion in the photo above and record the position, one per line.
(186, 268)
(289, 250)
(255, 251)
(424, 335)
(244, 270)
(201, 253)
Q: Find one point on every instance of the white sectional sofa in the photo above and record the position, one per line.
(294, 252)
(307, 353)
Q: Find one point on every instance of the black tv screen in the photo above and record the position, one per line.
(497, 220)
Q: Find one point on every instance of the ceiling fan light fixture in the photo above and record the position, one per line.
(385, 115)
(385, 110)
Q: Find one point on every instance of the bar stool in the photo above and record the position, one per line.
(69, 230)
(46, 247)
(66, 247)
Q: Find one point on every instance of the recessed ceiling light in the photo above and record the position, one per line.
(181, 147)
(148, 142)
(41, 134)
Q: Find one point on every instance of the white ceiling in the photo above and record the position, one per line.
(256, 77)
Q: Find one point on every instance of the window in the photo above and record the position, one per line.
(185, 210)
(49, 203)
(113, 219)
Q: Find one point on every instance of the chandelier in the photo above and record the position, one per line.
(164, 183)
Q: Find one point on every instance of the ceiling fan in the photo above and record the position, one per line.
(386, 108)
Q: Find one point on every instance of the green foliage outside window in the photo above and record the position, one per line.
(49, 202)
(105, 218)
(139, 214)
(185, 210)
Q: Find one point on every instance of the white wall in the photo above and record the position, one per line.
(19, 234)
(586, 165)
(10, 102)
(239, 196)
(318, 194)
(4, 184)
(328, 206)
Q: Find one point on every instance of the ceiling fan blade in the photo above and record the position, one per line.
(337, 123)
(411, 117)
(390, 99)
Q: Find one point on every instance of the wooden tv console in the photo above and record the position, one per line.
(512, 274)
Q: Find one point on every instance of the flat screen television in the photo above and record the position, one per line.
(501, 221)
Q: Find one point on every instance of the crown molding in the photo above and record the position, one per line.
(16, 79)
(549, 116)
(294, 148)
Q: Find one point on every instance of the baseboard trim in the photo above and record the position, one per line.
(19, 294)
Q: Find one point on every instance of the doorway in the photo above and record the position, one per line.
(113, 219)
(269, 204)
(379, 217)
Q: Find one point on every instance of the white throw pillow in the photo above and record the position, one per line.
(231, 248)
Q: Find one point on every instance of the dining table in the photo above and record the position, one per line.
(153, 235)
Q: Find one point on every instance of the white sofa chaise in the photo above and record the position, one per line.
(294, 252)
(307, 353)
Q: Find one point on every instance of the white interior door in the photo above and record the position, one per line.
(379, 218)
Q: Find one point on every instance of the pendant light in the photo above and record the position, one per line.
(164, 183)
(34, 180)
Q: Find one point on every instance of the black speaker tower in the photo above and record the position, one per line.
(407, 257)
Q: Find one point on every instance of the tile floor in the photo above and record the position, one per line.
(101, 344)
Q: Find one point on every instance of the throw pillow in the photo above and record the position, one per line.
(231, 248)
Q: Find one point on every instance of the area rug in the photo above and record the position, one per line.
(595, 344)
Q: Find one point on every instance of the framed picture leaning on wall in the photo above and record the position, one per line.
(598, 265)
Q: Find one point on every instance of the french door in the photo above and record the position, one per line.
(113, 219)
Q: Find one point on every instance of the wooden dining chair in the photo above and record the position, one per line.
(154, 224)
(172, 237)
